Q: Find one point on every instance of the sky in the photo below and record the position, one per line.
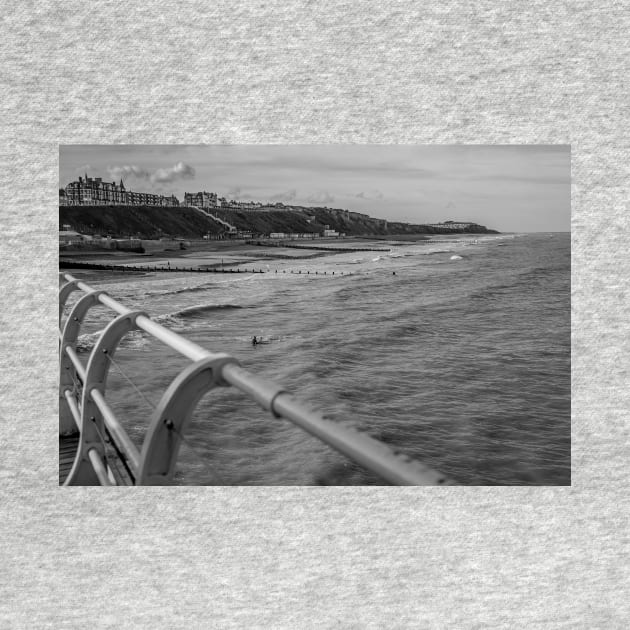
(510, 188)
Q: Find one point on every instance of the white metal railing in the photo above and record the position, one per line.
(83, 407)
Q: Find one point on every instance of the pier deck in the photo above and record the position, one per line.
(67, 450)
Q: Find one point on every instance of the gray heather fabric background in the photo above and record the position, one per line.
(306, 72)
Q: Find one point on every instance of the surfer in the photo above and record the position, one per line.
(254, 341)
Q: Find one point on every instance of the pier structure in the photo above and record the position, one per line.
(94, 447)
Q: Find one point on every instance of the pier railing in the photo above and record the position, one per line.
(84, 410)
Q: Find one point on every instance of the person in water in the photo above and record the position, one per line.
(254, 341)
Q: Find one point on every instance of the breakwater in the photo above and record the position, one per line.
(69, 264)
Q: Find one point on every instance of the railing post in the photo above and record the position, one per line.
(162, 442)
(64, 294)
(92, 428)
(67, 371)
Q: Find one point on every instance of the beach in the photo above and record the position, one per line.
(225, 254)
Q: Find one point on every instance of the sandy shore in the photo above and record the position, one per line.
(209, 247)
(202, 255)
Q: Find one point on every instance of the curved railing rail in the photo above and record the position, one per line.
(83, 406)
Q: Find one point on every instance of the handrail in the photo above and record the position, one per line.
(99, 467)
(184, 346)
(155, 464)
(117, 430)
(78, 366)
(74, 407)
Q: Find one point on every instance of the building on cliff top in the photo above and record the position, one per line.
(454, 225)
(201, 199)
(93, 191)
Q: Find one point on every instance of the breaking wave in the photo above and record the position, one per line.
(201, 287)
(135, 339)
(175, 321)
(200, 309)
(434, 252)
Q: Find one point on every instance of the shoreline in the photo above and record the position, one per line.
(210, 255)
(246, 252)
(228, 246)
(213, 257)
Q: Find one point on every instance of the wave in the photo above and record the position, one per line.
(86, 342)
(434, 252)
(170, 320)
(134, 339)
(194, 311)
(527, 279)
(195, 289)
(138, 338)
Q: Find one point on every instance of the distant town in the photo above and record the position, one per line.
(93, 191)
(93, 208)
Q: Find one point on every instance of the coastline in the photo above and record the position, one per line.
(211, 255)
(226, 250)
(208, 256)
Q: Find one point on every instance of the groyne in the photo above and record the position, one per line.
(70, 264)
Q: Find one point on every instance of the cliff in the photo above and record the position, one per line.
(146, 222)
(149, 222)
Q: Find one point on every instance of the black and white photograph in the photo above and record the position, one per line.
(287, 315)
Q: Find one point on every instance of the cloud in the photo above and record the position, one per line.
(542, 178)
(159, 176)
(370, 194)
(321, 196)
(287, 195)
(121, 172)
(177, 171)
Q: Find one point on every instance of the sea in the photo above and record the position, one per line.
(455, 351)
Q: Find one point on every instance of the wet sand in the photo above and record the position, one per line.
(202, 255)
